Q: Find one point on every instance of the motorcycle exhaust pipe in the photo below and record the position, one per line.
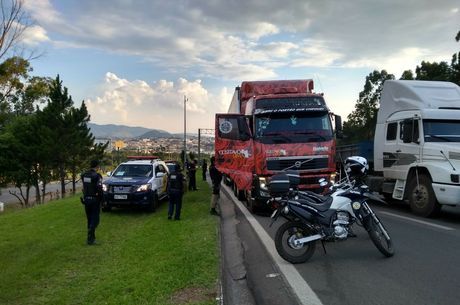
(301, 241)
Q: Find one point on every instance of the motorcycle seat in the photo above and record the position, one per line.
(322, 206)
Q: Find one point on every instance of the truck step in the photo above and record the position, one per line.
(398, 191)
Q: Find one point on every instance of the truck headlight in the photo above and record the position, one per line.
(105, 187)
(143, 188)
(263, 183)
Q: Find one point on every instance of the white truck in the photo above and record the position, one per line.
(417, 144)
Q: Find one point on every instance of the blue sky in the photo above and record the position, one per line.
(132, 61)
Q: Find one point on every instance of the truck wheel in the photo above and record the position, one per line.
(251, 205)
(238, 194)
(422, 199)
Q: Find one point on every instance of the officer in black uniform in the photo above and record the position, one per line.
(216, 178)
(175, 190)
(92, 198)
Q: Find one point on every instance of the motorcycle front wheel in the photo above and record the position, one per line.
(380, 236)
(284, 242)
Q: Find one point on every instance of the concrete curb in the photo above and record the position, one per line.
(234, 274)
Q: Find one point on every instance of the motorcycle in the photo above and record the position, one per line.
(312, 217)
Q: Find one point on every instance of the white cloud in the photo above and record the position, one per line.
(261, 29)
(33, 35)
(232, 39)
(158, 105)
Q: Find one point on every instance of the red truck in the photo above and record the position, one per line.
(272, 126)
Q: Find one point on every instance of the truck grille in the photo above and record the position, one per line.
(297, 163)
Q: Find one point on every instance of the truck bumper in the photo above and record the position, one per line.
(447, 193)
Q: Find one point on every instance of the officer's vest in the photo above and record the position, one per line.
(90, 184)
(176, 182)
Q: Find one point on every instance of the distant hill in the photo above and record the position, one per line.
(120, 131)
(155, 133)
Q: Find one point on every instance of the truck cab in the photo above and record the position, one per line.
(417, 144)
(274, 126)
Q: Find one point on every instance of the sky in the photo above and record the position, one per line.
(133, 61)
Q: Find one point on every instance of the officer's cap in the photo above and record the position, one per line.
(94, 163)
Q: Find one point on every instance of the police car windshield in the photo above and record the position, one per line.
(133, 170)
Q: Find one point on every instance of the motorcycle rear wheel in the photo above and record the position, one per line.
(377, 235)
(284, 237)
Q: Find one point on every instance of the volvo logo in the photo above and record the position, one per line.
(298, 164)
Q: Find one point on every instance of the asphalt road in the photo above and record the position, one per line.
(7, 198)
(424, 270)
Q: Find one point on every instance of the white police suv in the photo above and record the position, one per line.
(141, 181)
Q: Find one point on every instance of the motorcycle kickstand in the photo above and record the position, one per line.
(324, 247)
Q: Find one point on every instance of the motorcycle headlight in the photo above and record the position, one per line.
(263, 183)
(144, 188)
(286, 210)
(105, 187)
(332, 178)
(356, 205)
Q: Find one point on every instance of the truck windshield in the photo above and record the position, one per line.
(293, 127)
(441, 130)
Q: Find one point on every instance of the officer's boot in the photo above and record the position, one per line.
(88, 239)
(91, 237)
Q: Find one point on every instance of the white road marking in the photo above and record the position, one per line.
(302, 290)
(417, 220)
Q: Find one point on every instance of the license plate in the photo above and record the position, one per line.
(120, 196)
(274, 213)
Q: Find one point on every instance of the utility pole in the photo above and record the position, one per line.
(185, 129)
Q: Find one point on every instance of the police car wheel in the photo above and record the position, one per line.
(106, 208)
(153, 203)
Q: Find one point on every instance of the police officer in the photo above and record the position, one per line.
(92, 198)
(216, 178)
(192, 176)
(175, 188)
(205, 168)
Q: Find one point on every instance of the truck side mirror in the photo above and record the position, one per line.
(338, 126)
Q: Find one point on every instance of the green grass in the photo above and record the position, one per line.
(142, 258)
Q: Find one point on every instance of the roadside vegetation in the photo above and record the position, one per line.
(142, 258)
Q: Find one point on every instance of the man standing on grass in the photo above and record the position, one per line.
(175, 190)
(92, 198)
(192, 176)
(216, 178)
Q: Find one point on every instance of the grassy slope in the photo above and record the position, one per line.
(142, 259)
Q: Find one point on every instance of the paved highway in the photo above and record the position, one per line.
(52, 187)
(424, 270)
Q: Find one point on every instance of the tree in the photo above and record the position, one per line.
(361, 122)
(20, 156)
(13, 74)
(433, 71)
(13, 24)
(407, 75)
(455, 69)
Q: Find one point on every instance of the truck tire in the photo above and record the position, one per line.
(238, 194)
(422, 199)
